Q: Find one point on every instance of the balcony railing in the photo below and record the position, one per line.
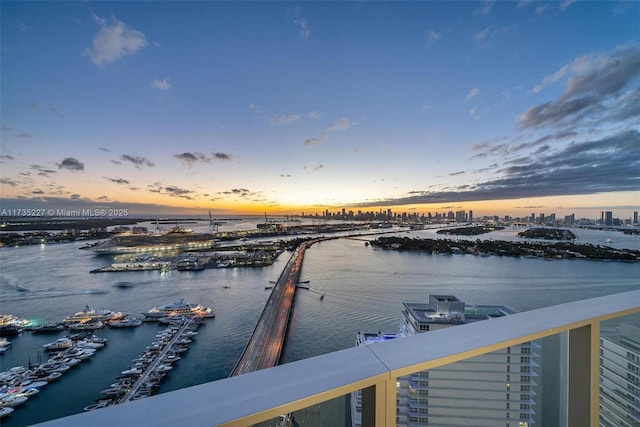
(259, 396)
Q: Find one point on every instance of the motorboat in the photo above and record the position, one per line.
(59, 344)
(129, 322)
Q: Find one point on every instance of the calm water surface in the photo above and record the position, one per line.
(363, 290)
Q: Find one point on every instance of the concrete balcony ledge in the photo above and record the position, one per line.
(257, 396)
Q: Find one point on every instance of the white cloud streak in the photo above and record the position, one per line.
(114, 41)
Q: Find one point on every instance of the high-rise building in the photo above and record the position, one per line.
(635, 217)
(620, 376)
(495, 389)
(608, 218)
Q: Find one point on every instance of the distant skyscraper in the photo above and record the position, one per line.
(470, 216)
(608, 218)
(635, 217)
(495, 389)
(620, 377)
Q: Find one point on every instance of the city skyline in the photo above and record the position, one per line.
(503, 108)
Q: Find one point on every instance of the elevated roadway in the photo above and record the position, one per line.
(265, 345)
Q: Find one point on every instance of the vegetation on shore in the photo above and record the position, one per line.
(560, 250)
(470, 231)
(547, 234)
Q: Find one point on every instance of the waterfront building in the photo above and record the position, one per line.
(620, 376)
(495, 389)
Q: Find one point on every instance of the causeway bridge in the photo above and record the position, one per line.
(265, 345)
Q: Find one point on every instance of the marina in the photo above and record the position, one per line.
(20, 383)
(148, 369)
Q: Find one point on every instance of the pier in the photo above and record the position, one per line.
(265, 345)
(143, 378)
(150, 375)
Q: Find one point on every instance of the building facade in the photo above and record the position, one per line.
(620, 376)
(495, 389)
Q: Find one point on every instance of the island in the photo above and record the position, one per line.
(560, 250)
(547, 234)
(470, 231)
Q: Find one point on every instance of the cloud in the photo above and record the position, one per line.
(195, 157)
(314, 115)
(191, 158)
(43, 171)
(341, 125)
(137, 160)
(255, 107)
(485, 36)
(472, 93)
(283, 120)
(171, 191)
(486, 7)
(117, 180)
(316, 140)
(602, 165)
(473, 113)
(432, 36)
(301, 22)
(71, 163)
(8, 181)
(174, 191)
(566, 3)
(114, 41)
(523, 3)
(482, 35)
(540, 10)
(595, 85)
(161, 84)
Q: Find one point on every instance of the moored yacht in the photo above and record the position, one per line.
(91, 315)
(180, 308)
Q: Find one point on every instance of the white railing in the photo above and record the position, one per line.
(259, 396)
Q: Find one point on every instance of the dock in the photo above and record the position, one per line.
(144, 376)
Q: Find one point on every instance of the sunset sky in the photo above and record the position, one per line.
(506, 107)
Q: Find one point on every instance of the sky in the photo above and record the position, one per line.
(236, 107)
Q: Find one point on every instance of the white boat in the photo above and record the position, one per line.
(59, 344)
(5, 411)
(126, 323)
(180, 308)
(89, 315)
(13, 400)
(86, 326)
